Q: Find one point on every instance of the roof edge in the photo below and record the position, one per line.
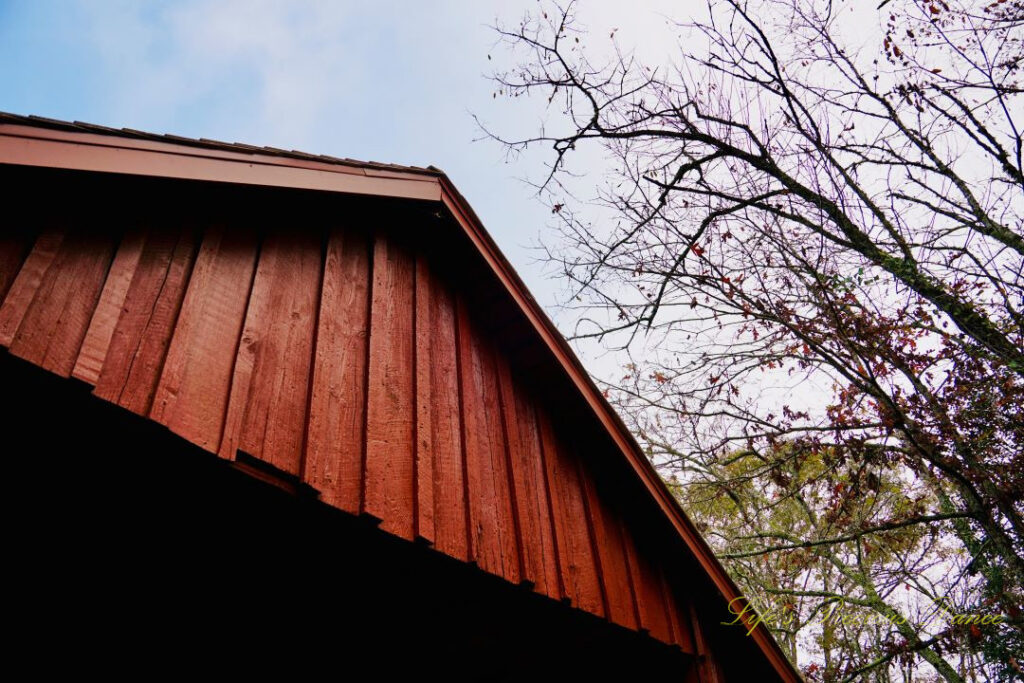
(623, 437)
(41, 122)
(25, 144)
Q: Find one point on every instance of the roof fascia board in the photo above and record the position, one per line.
(109, 154)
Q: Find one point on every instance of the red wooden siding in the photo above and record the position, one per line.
(23, 286)
(336, 435)
(348, 361)
(128, 339)
(423, 495)
(492, 527)
(266, 415)
(611, 552)
(192, 393)
(51, 314)
(533, 507)
(389, 483)
(573, 539)
(15, 242)
(451, 528)
(112, 300)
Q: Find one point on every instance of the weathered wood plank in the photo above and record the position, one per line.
(26, 283)
(108, 310)
(576, 559)
(390, 405)
(424, 333)
(450, 500)
(266, 415)
(647, 589)
(15, 245)
(497, 464)
(678, 614)
(142, 335)
(520, 503)
(491, 539)
(336, 433)
(611, 555)
(540, 559)
(706, 669)
(192, 394)
(54, 325)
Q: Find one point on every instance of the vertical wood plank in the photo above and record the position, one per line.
(540, 557)
(140, 339)
(629, 553)
(26, 283)
(492, 538)
(51, 332)
(707, 668)
(450, 501)
(698, 633)
(463, 352)
(266, 414)
(576, 560)
(389, 420)
(335, 439)
(522, 460)
(647, 590)
(497, 464)
(513, 452)
(424, 404)
(589, 519)
(611, 555)
(472, 432)
(678, 615)
(14, 249)
(192, 394)
(108, 310)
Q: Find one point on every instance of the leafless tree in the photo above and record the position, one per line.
(810, 242)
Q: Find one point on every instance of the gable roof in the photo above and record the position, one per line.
(34, 141)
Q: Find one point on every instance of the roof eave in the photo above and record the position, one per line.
(51, 148)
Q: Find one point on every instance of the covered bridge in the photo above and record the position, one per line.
(305, 404)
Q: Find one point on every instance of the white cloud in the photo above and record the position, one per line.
(390, 81)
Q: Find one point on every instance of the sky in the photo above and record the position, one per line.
(396, 82)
